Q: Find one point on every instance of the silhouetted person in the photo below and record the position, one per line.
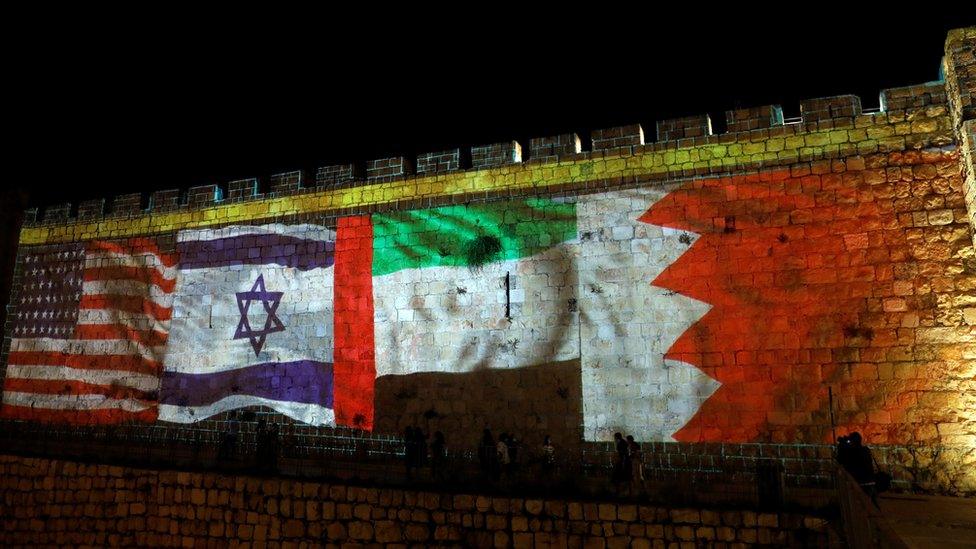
(636, 462)
(420, 440)
(287, 438)
(513, 454)
(438, 455)
(486, 452)
(621, 464)
(228, 443)
(261, 438)
(857, 460)
(273, 442)
(548, 455)
(501, 450)
(548, 460)
(409, 450)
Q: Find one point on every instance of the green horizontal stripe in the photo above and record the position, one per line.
(455, 236)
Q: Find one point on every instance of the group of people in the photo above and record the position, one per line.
(503, 457)
(628, 462)
(418, 454)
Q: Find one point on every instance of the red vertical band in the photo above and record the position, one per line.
(355, 367)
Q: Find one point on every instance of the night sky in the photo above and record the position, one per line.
(99, 113)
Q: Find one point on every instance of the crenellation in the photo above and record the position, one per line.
(127, 204)
(680, 130)
(30, 216)
(339, 174)
(828, 108)
(547, 149)
(284, 184)
(896, 101)
(243, 189)
(754, 118)
(439, 162)
(495, 155)
(91, 209)
(386, 169)
(165, 200)
(203, 195)
(57, 213)
(617, 140)
(753, 124)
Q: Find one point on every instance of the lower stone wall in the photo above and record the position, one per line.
(57, 503)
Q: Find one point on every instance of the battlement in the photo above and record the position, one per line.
(744, 125)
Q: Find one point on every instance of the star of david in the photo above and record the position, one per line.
(270, 301)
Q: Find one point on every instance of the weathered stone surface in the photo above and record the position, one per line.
(627, 513)
(360, 530)
(607, 511)
(304, 513)
(294, 529)
(416, 532)
(686, 516)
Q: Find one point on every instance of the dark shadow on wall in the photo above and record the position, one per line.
(12, 203)
(529, 402)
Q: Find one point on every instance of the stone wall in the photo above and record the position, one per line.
(701, 288)
(959, 67)
(46, 502)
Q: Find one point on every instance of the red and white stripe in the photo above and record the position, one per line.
(109, 371)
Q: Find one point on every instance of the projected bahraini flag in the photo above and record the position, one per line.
(88, 336)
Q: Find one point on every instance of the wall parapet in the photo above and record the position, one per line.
(959, 67)
(127, 506)
(831, 129)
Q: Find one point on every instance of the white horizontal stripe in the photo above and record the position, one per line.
(206, 316)
(424, 323)
(131, 380)
(87, 347)
(96, 259)
(306, 231)
(312, 414)
(128, 287)
(72, 402)
(136, 321)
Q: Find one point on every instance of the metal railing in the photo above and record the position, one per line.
(862, 523)
(692, 477)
